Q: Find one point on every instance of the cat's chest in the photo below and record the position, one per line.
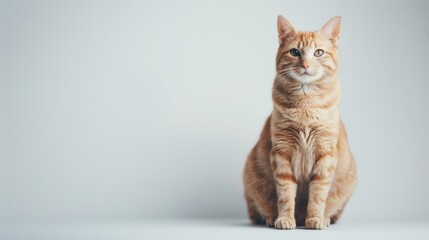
(305, 133)
(303, 158)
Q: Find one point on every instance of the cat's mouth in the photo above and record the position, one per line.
(305, 73)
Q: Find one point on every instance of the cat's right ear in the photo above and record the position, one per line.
(285, 29)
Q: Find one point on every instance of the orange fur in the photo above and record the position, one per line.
(301, 171)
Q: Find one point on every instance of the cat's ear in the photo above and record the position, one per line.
(285, 29)
(332, 29)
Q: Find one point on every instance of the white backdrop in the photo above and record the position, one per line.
(147, 109)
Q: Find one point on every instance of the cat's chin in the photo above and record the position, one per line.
(307, 78)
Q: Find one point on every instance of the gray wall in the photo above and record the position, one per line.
(147, 109)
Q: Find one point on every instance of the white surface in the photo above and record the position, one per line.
(211, 229)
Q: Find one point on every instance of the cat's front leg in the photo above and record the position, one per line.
(320, 183)
(286, 187)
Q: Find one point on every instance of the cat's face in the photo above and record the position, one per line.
(307, 56)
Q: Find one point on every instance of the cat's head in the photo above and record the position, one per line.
(307, 56)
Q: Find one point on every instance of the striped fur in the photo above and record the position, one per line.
(301, 171)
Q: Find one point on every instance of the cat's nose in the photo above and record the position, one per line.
(305, 65)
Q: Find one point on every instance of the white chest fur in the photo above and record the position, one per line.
(303, 159)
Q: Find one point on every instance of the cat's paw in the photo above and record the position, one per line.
(285, 223)
(317, 223)
(270, 221)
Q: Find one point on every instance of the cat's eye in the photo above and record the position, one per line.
(319, 52)
(294, 52)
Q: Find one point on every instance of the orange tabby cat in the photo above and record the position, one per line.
(301, 171)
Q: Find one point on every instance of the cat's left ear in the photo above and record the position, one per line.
(332, 29)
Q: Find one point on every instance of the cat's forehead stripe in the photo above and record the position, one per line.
(307, 39)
